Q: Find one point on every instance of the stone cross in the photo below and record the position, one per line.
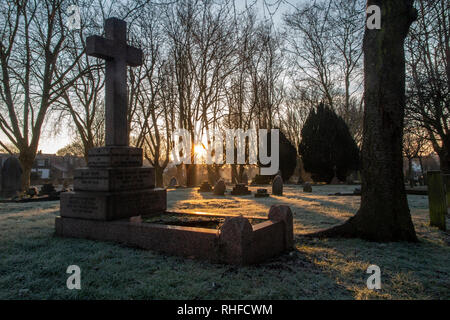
(118, 54)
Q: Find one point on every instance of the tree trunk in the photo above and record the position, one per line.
(410, 173)
(444, 156)
(159, 176)
(26, 159)
(384, 214)
(191, 175)
(234, 177)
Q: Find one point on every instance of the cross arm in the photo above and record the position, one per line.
(100, 47)
(134, 56)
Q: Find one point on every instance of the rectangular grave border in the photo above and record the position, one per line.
(236, 242)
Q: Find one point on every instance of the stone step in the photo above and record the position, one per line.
(114, 179)
(115, 157)
(112, 205)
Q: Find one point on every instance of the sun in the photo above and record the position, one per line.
(199, 150)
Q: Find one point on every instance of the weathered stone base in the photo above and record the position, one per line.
(237, 242)
(115, 157)
(114, 179)
(112, 205)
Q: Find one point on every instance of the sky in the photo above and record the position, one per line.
(51, 141)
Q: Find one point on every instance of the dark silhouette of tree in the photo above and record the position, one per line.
(327, 145)
(384, 213)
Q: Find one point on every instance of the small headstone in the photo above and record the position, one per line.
(205, 187)
(335, 180)
(307, 187)
(47, 189)
(240, 190)
(11, 177)
(277, 186)
(173, 182)
(261, 193)
(220, 188)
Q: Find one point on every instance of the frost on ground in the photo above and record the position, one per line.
(33, 262)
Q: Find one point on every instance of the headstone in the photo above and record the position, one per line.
(240, 189)
(277, 186)
(115, 185)
(437, 199)
(205, 187)
(11, 177)
(335, 179)
(47, 189)
(173, 182)
(261, 193)
(307, 187)
(220, 188)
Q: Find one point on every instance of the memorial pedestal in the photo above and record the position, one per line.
(114, 186)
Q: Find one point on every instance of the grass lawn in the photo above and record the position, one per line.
(33, 261)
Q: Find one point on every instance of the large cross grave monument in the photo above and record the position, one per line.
(115, 194)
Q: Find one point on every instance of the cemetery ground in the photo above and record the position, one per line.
(33, 261)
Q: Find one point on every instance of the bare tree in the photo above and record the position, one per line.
(34, 72)
(384, 213)
(428, 50)
(325, 40)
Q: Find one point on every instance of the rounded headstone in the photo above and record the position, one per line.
(277, 186)
(47, 189)
(307, 187)
(11, 177)
(173, 182)
(219, 188)
(235, 239)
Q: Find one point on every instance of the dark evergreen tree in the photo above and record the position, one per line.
(327, 145)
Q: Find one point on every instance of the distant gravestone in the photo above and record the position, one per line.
(307, 187)
(173, 182)
(240, 189)
(277, 186)
(11, 177)
(205, 187)
(47, 189)
(261, 193)
(335, 180)
(220, 188)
